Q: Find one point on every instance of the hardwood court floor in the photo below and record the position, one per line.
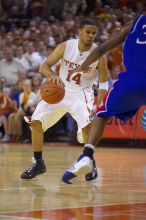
(119, 193)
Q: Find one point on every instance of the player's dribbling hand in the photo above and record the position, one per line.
(56, 79)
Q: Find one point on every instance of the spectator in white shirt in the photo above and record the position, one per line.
(33, 58)
(10, 68)
(20, 57)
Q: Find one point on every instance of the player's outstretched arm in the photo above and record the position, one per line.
(109, 44)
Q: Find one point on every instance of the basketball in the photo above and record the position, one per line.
(51, 92)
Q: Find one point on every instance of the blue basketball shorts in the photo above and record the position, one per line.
(125, 97)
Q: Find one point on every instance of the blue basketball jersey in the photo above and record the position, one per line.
(134, 51)
(128, 93)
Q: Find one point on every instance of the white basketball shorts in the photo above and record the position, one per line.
(78, 103)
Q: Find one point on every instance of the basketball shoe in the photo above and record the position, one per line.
(84, 165)
(93, 174)
(37, 167)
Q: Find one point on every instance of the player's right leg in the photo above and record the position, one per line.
(43, 118)
(38, 166)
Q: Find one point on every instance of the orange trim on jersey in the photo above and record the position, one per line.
(86, 101)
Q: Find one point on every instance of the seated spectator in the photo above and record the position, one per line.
(3, 83)
(1, 55)
(42, 49)
(7, 106)
(36, 83)
(10, 68)
(115, 58)
(20, 57)
(16, 90)
(33, 58)
(26, 102)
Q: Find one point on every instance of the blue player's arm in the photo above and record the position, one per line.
(109, 44)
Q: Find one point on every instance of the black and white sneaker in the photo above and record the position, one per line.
(83, 165)
(93, 174)
(38, 167)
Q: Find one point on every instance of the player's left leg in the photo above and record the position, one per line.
(80, 111)
(92, 175)
(85, 164)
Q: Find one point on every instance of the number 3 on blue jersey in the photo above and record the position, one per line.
(138, 41)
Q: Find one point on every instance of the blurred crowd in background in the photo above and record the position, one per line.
(29, 31)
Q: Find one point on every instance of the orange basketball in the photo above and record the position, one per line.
(51, 92)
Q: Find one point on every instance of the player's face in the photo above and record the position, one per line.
(88, 34)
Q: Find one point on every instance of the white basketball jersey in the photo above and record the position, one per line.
(73, 58)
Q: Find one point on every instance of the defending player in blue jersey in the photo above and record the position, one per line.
(128, 93)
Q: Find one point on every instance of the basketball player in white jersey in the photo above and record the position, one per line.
(78, 100)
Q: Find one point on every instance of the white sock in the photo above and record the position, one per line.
(90, 146)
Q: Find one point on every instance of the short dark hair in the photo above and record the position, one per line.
(87, 21)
